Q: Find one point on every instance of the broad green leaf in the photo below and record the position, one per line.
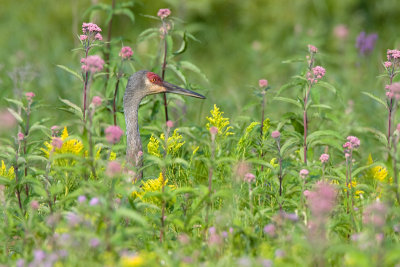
(125, 11)
(318, 134)
(15, 114)
(327, 86)
(380, 101)
(190, 66)
(77, 110)
(71, 71)
(183, 45)
(321, 106)
(177, 72)
(131, 214)
(14, 101)
(288, 100)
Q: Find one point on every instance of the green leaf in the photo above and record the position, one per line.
(125, 11)
(378, 135)
(77, 110)
(288, 100)
(71, 71)
(183, 45)
(90, 10)
(321, 106)
(380, 101)
(146, 34)
(190, 66)
(293, 60)
(133, 215)
(327, 86)
(288, 145)
(15, 114)
(16, 102)
(177, 72)
(318, 134)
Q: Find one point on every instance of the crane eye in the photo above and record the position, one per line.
(153, 80)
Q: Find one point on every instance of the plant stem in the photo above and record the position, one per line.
(163, 188)
(85, 86)
(16, 178)
(305, 123)
(210, 174)
(91, 157)
(114, 104)
(164, 66)
(28, 113)
(262, 126)
(108, 44)
(395, 171)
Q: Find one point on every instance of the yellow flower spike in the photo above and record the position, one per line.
(132, 261)
(218, 121)
(153, 147)
(152, 185)
(174, 142)
(266, 125)
(69, 146)
(10, 174)
(113, 156)
(379, 173)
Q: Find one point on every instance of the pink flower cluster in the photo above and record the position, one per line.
(304, 173)
(312, 49)
(92, 64)
(317, 73)
(126, 52)
(163, 13)
(275, 134)
(249, 177)
(7, 120)
(30, 96)
(393, 91)
(341, 31)
(263, 83)
(90, 28)
(374, 214)
(96, 101)
(321, 199)
(351, 144)
(57, 143)
(393, 54)
(113, 134)
(113, 168)
(324, 158)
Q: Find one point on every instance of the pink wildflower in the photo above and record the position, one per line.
(57, 142)
(388, 64)
(269, 229)
(304, 173)
(92, 64)
(113, 134)
(214, 130)
(7, 120)
(35, 205)
(241, 169)
(341, 31)
(393, 54)
(96, 101)
(398, 127)
(98, 37)
(30, 96)
(263, 83)
(375, 214)
(94, 201)
(322, 199)
(21, 136)
(82, 199)
(324, 158)
(164, 13)
(249, 177)
(113, 168)
(126, 52)
(317, 73)
(275, 134)
(354, 141)
(82, 37)
(170, 124)
(393, 91)
(312, 49)
(90, 27)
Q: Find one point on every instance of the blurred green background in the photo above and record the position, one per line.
(240, 42)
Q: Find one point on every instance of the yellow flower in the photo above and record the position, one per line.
(379, 172)
(153, 147)
(149, 186)
(266, 126)
(221, 123)
(113, 156)
(353, 184)
(174, 142)
(132, 261)
(10, 174)
(69, 146)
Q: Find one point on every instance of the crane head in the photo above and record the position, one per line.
(155, 85)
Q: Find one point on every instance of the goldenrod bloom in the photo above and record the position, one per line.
(218, 121)
(10, 174)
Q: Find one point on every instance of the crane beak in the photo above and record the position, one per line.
(171, 88)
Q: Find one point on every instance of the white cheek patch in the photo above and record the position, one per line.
(154, 88)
